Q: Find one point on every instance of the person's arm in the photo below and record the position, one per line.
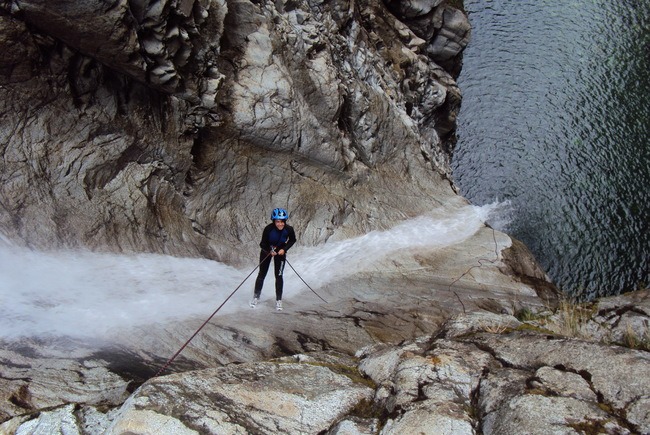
(291, 238)
(264, 243)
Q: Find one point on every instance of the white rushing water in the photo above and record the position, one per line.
(87, 295)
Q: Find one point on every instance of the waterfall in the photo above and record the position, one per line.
(88, 295)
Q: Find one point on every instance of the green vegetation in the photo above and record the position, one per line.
(525, 314)
(369, 409)
(572, 317)
(590, 427)
(533, 328)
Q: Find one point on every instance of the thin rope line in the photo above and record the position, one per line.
(305, 282)
(207, 320)
(480, 264)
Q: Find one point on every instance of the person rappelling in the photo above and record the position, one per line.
(277, 238)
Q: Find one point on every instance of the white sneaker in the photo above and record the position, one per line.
(254, 302)
(278, 305)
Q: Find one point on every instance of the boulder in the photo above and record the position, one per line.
(508, 381)
(481, 372)
(45, 380)
(248, 398)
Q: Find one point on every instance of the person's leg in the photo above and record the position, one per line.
(278, 264)
(265, 262)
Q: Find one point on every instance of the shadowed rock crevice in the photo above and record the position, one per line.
(523, 266)
(21, 398)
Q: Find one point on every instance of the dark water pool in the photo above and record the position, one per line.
(556, 120)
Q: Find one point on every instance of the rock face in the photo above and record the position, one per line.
(175, 126)
(396, 302)
(38, 382)
(481, 372)
(250, 398)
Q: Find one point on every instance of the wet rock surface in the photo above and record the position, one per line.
(478, 372)
(175, 126)
(370, 307)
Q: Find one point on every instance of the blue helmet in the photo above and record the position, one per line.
(279, 214)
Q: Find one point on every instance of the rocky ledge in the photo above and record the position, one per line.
(578, 369)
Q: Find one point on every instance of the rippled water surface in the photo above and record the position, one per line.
(556, 119)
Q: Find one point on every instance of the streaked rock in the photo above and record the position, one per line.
(225, 110)
(258, 397)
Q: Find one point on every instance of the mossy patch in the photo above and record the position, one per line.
(526, 315)
(527, 327)
(369, 409)
(590, 426)
(351, 372)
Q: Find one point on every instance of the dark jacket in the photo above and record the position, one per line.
(272, 237)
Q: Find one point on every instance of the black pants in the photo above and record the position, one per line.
(278, 266)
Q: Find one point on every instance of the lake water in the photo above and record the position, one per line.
(556, 120)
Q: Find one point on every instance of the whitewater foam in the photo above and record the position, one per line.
(89, 295)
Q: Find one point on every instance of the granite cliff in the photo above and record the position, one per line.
(175, 126)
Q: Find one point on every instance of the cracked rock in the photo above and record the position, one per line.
(259, 397)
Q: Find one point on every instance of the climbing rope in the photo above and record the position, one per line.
(480, 264)
(222, 304)
(167, 364)
(208, 319)
(314, 291)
